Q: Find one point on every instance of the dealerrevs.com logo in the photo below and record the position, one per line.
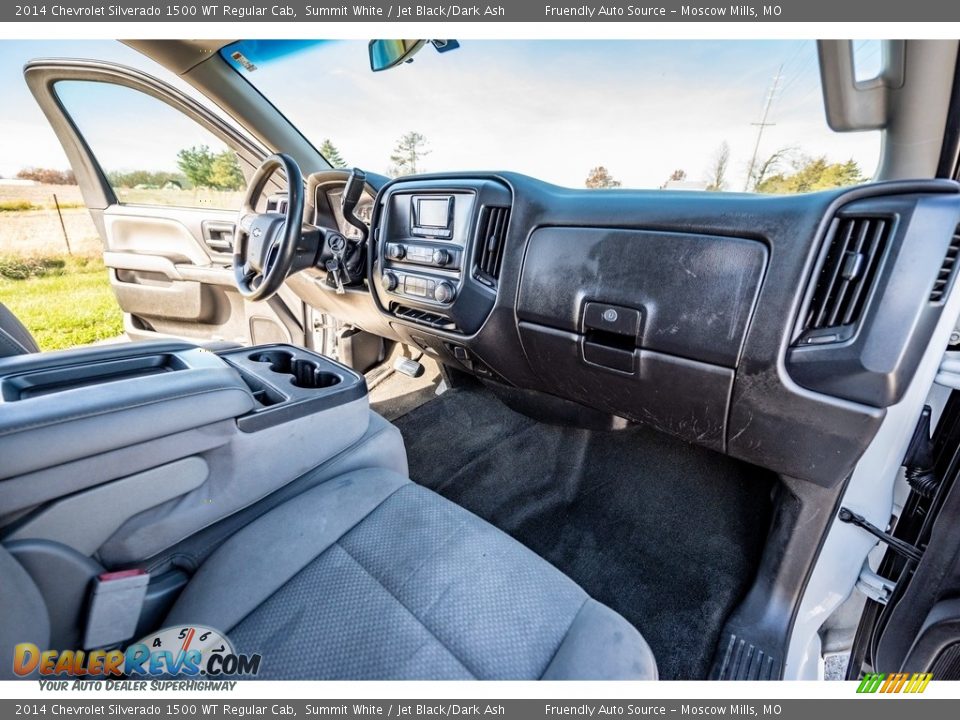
(191, 651)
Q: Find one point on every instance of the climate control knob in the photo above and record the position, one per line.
(390, 281)
(444, 292)
(440, 257)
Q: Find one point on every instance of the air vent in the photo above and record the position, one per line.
(490, 242)
(855, 249)
(947, 268)
(424, 318)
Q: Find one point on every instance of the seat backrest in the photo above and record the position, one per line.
(24, 617)
(15, 339)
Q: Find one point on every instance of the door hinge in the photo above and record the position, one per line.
(948, 375)
(896, 544)
(874, 586)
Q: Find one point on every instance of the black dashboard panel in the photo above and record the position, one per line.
(683, 397)
(425, 251)
(682, 310)
(644, 325)
(871, 357)
(694, 293)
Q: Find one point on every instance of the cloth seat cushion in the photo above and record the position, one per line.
(370, 576)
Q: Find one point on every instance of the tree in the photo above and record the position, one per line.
(677, 176)
(48, 176)
(225, 172)
(410, 149)
(332, 154)
(206, 169)
(147, 178)
(717, 174)
(811, 174)
(768, 166)
(196, 163)
(600, 177)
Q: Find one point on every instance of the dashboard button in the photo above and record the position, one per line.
(390, 281)
(444, 292)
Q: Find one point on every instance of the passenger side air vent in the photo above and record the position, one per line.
(491, 238)
(946, 269)
(855, 247)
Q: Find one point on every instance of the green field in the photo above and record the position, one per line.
(63, 301)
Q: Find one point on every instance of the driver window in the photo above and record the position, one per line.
(150, 152)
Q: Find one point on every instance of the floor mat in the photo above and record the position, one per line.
(666, 533)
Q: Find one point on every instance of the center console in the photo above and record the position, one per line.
(156, 440)
(438, 248)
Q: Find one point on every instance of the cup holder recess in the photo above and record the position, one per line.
(304, 373)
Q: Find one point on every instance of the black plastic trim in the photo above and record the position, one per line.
(875, 362)
(280, 398)
(773, 421)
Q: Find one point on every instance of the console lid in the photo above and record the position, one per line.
(63, 406)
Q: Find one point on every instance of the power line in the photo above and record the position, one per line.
(762, 125)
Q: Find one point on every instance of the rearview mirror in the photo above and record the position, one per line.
(385, 54)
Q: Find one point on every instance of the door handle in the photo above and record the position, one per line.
(218, 236)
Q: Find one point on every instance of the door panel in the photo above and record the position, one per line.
(169, 281)
(173, 233)
(162, 177)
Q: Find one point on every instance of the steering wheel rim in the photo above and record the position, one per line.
(265, 245)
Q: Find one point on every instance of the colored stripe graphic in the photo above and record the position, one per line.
(894, 683)
(870, 683)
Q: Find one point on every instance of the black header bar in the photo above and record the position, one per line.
(298, 11)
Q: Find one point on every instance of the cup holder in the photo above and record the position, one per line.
(305, 373)
(280, 360)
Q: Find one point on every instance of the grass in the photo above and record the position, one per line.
(17, 205)
(15, 267)
(63, 301)
(66, 300)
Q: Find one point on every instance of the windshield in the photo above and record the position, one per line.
(693, 115)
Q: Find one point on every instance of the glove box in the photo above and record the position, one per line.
(642, 324)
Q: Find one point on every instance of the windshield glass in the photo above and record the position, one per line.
(696, 115)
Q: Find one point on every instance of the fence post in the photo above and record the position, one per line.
(63, 225)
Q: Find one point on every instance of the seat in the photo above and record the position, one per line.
(15, 339)
(370, 576)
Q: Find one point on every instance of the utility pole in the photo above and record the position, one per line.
(763, 124)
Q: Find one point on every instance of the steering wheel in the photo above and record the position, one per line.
(266, 245)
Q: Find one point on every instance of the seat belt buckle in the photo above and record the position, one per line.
(115, 604)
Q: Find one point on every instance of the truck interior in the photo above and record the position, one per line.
(631, 434)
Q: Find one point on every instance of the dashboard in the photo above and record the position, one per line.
(775, 329)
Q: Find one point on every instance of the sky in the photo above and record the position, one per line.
(551, 109)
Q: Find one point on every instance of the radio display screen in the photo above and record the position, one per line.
(433, 212)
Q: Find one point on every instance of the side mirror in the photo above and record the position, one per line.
(385, 54)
